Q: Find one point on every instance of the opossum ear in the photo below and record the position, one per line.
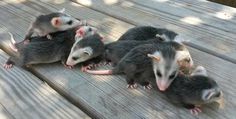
(155, 57)
(209, 94)
(88, 51)
(162, 37)
(200, 70)
(80, 32)
(56, 22)
(62, 10)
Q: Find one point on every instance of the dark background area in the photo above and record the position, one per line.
(231, 3)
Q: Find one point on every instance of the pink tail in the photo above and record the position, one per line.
(99, 72)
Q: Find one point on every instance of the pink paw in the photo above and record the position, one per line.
(26, 42)
(132, 86)
(148, 87)
(68, 66)
(195, 110)
(8, 66)
(49, 37)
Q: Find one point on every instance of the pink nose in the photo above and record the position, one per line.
(161, 85)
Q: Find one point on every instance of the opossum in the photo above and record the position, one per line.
(86, 48)
(161, 59)
(51, 23)
(117, 50)
(140, 33)
(194, 91)
(41, 50)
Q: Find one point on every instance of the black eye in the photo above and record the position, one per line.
(159, 73)
(172, 75)
(70, 22)
(90, 29)
(75, 58)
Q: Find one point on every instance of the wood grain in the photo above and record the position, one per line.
(107, 96)
(24, 96)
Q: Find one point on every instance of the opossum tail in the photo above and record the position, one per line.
(13, 42)
(100, 72)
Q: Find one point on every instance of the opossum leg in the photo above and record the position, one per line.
(193, 109)
(146, 85)
(49, 37)
(9, 64)
(91, 64)
(130, 81)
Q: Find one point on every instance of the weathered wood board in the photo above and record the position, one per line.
(24, 96)
(205, 31)
(107, 96)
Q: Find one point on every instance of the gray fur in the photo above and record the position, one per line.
(194, 90)
(42, 25)
(41, 50)
(87, 48)
(141, 33)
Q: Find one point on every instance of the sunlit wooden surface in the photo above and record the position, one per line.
(209, 27)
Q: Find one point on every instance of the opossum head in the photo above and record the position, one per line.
(208, 88)
(83, 49)
(62, 21)
(79, 55)
(166, 65)
(84, 31)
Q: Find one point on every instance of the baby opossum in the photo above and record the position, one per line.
(51, 23)
(162, 59)
(86, 48)
(41, 50)
(116, 50)
(194, 91)
(141, 33)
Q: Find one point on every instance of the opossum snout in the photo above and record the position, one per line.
(163, 84)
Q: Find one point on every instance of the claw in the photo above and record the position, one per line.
(26, 42)
(8, 66)
(49, 37)
(89, 67)
(148, 87)
(68, 66)
(132, 86)
(195, 110)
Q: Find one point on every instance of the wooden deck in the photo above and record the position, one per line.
(209, 27)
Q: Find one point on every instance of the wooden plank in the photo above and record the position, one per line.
(209, 35)
(4, 114)
(25, 96)
(107, 97)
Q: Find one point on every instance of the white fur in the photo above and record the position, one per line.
(160, 65)
(200, 70)
(181, 55)
(83, 54)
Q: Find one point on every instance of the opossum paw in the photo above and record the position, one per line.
(49, 37)
(26, 42)
(8, 66)
(88, 67)
(132, 86)
(195, 110)
(68, 66)
(148, 87)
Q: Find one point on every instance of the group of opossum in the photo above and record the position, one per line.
(146, 55)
